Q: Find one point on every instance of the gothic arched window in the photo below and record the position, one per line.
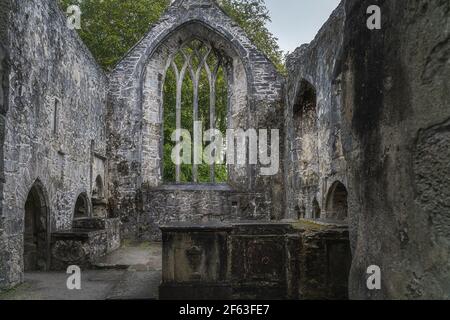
(195, 101)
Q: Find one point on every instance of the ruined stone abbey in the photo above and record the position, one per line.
(364, 175)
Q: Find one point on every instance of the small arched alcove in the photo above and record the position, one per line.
(81, 209)
(336, 204)
(98, 192)
(36, 237)
(305, 109)
(315, 209)
(305, 139)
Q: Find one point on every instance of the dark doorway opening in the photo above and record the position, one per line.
(337, 206)
(339, 258)
(35, 254)
(97, 193)
(81, 207)
(315, 209)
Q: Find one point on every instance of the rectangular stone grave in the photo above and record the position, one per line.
(195, 261)
(258, 253)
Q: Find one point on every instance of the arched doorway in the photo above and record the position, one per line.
(305, 120)
(305, 144)
(81, 207)
(35, 255)
(337, 206)
(315, 210)
(98, 188)
(99, 202)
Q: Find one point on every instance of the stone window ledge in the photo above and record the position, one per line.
(195, 187)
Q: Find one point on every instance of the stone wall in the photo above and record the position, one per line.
(135, 110)
(5, 253)
(396, 127)
(383, 132)
(313, 148)
(54, 123)
(366, 117)
(197, 204)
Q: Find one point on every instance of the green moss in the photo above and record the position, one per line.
(127, 243)
(307, 225)
(15, 292)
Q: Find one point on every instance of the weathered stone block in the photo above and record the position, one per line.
(258, 255)
(324, 261)
(195, 261)
(77, 247)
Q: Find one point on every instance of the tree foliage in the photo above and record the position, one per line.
(253, 17)
(110, 28)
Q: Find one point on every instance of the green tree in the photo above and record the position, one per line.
(253, 17)
(110, 28)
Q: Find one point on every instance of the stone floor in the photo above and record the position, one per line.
(131, 272)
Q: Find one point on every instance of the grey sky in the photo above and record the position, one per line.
(295, 22)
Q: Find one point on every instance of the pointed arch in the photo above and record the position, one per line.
(198, 98)
(82, 208)
(316, 212)
(197, 45)
(36, 236)
(336, 202)
(98, 191)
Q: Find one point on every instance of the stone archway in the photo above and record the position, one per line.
(81, 209)
(99, 202)
(157, 68)
(315, 210)
(305, 144)
(36, 235)
(98, 191)
(337, 206)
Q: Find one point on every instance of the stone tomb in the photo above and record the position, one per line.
(195, 261)
(88, 240)
(255, 260)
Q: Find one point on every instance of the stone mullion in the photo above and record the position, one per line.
(179, 79)
(195, 83)
(212, 78)
(229, 74)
